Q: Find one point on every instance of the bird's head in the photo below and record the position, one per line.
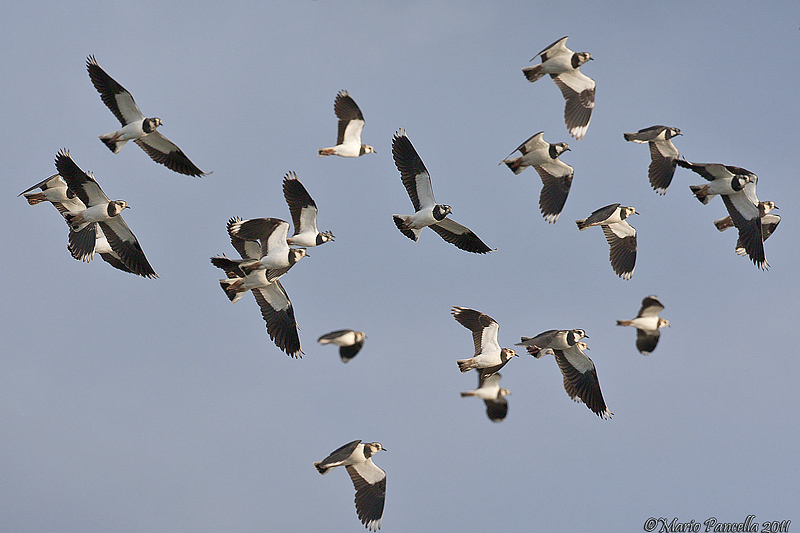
(663, 323)
(583, 57)
(628, 211)
(367, 149)
(673, 132)
(373, 447)
(116, 207)
(561, 148)
(296, 254)
(441, 210)
(575, 335)
(150, 124)
(508, 353)
(766, 207)
(324, 237)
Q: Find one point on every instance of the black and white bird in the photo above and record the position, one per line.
(769, 222)
(428, 213)
(493, 396)
(489, 357)
(272, 299)
(101, 214)
(556, 175)
(276, 256)
(557, 339)
(647, 323)
(663, 154)
(563, 65)
(737, 187)
(304, 214)
(351, 122)
(580, 378)
(620, 235)
(54, 190)
(368, 479)
(135, 126)
(349, 342)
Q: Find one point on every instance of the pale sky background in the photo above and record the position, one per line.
(129, 404)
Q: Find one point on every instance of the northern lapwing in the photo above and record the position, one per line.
(135, 126)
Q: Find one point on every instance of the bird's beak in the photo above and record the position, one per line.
(585, 336)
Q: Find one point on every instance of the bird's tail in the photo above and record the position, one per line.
(701, 193)
(533, 73)
(321, 468)
(515, 165)
(114, 144)
(465, 394)
(723, 223)
(581, 224)
(75, 221)
(623, 322)
(232, 267)
(231, 286)
(34, 197)
(402, 225)
(325, 151)
(465, 365)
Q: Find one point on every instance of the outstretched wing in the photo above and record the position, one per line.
(460, 236)
(114, 95)
(412, 171)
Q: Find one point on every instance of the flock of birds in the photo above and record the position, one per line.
(267, 251)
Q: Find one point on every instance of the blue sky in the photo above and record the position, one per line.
(156, 405)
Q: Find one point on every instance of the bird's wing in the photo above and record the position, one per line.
(81, 244)
(580, 380)
(370, 483)
(351, 121)
(114, 95)
(651, 306)
(348, 352)
(663, 156)
(270, 232)
(124, 243)
(535, 141)
(709, 171)
(496, 409)
(483, 327)
(600, 215)
(340, 454)
(460, 236)
(578, 91)
(644, 135)
(556, 182)
(162, 150)
(413, 172)
(278, 313)
(621, 238)
(646, 341)
(560, 46)
(745, 216)
(80, 182)
(301, 205)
